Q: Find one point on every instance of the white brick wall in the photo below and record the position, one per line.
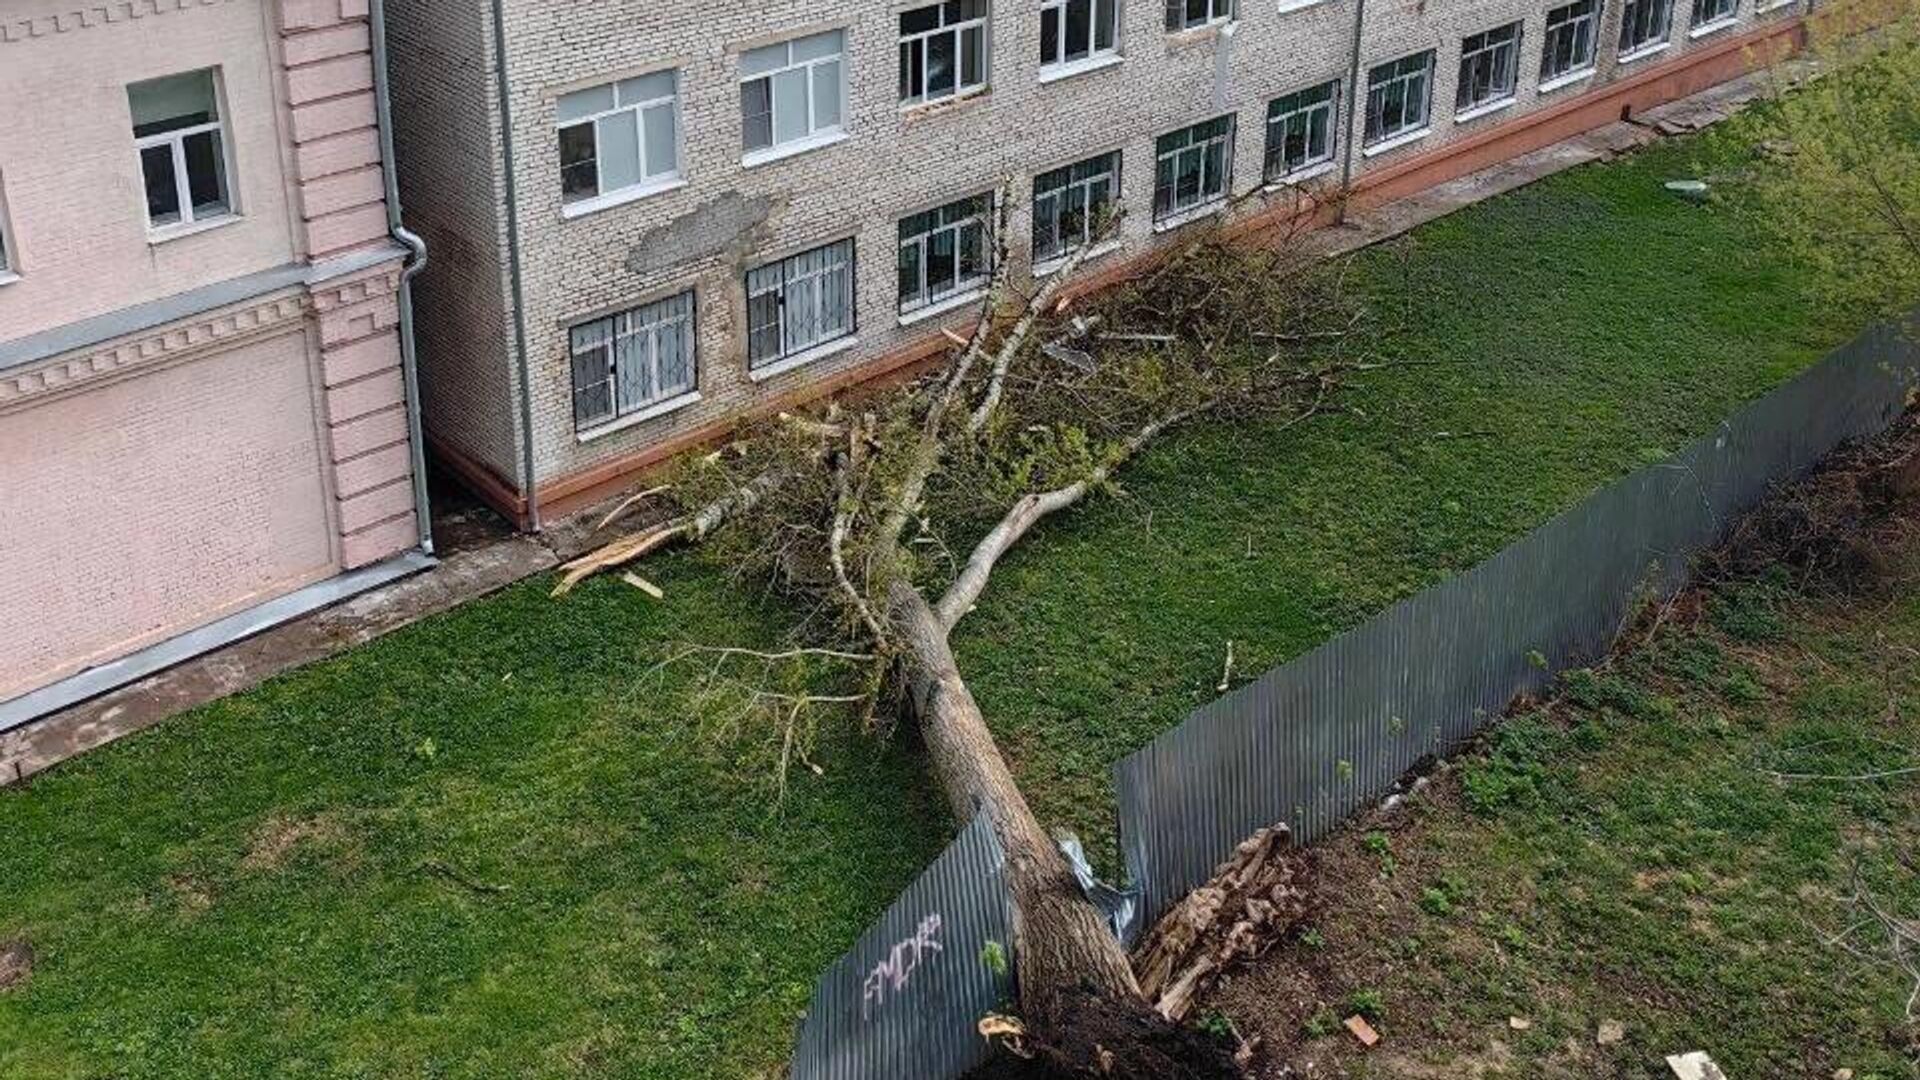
(894, 162)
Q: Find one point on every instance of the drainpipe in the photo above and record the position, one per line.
(1356, 108)
(513, 267)
(416, 262)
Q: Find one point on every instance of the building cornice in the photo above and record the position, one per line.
(218, 330)
(16, 30)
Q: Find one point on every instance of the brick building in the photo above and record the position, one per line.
(653, 217)
(206, 424)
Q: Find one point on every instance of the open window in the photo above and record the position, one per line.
(182, 141)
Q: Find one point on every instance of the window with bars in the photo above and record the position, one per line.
(626, 362)
(1078, 32)
(619, 138)
(945, 252)
(1301, 129)
(1568, 49)
(1710, 12)
(793, 92)
(1645, 25)
(1193, 168)
(1489, 67)
(181, 139)
(1072, 205)
(799, 303)
(1192, 14)
(943, 51)
(1399, 96)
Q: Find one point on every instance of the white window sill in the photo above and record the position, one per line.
(793, 149)
(1396, 142)
(1777, 5)
(620, 198)
(1057, 72)
(1561, 82)
(1713, 27)
(1645, 51)
(927, 108)
(941, 307)
(651, 412)
(8, 277)
(1190, 215)
(1298, 5)
(1484, 109)
(1204, 30)
(1050, 267)
(801, 359)
(1300, 176)
(179, 232)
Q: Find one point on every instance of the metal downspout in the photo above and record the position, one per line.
(1356, 109)
(416, 262)
(513, 268)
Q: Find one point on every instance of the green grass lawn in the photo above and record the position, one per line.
(486, 846)
(1630, 855)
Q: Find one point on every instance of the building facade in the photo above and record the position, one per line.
(205, 416)
(655, 218)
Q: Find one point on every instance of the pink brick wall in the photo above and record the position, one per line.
(142, 505)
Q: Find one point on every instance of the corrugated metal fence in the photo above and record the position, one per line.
(1313, 740)
(905, 1002)
(1317, 738)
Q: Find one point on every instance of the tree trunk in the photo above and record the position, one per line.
(1083, 1007)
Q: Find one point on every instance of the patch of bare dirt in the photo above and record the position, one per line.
(16, 964)
(275, 840)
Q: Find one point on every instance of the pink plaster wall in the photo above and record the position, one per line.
(157, 501)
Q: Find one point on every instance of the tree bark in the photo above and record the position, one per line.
(1082, 1006)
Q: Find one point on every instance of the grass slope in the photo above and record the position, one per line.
(298, 881)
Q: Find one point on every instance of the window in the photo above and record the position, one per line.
(792, 92)
(944, 252)
(8, 270)
(619, 138)
(1489, 67)
(1190, 14)
(1568, 50)
(629, 361)
(1077, 31)
(798, 303)
(1645, 25)
(1192, 168)
(1071, 206)
(1707, 13)
(178, 132)
(1300, 130)
(1398, 96)
(943, 51)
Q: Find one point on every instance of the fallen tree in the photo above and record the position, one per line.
(855, 514)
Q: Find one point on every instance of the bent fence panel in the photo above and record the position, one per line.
(1317, 738)
(906, 1000)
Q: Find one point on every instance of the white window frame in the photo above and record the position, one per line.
(1654, 42)
(818, 134)
(923, 300)
(1074, 196)
(636, 111)
(1711, 15)
(9, 250)
(1176, 213)
(1055, 12)
(794, 353)
(1180, 19)
(176, 141)
(961, 31)
(1568, 23)
(1499, 48)
(648, 323)
(1279, 123)
(1382, 139)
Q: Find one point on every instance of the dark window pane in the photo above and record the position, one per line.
(1050, 37)
(941, 64)
(206, 174)
(1104, 23)
(579, 171)
(756, 113)
(163, 195)
(1079, 17)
